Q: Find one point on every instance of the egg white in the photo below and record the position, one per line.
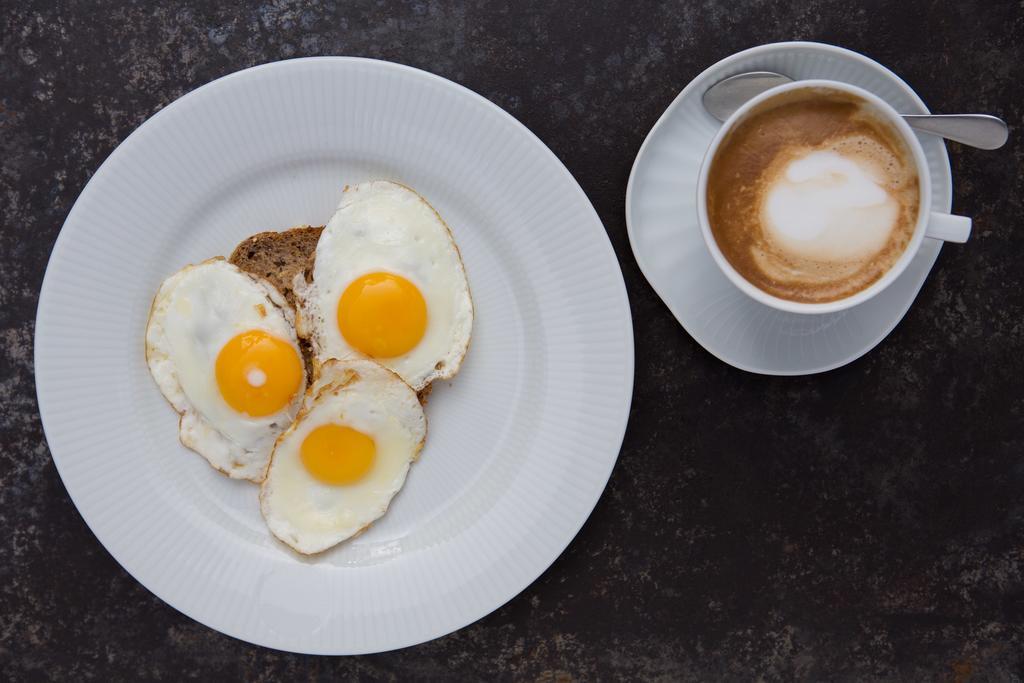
(311, 516)
(196, 311)
(384, 226)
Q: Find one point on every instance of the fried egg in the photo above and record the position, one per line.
(222, 347)
(344, 458)
(388, 284)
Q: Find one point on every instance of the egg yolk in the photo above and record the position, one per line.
(382, 315)
(257, 373)
(338, 455)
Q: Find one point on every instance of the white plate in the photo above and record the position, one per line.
(661, 216)
(521, 443)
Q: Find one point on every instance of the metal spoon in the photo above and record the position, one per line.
(977, 130)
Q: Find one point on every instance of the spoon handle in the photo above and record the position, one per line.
(977, 130)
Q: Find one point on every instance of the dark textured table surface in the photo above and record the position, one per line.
(863, 524)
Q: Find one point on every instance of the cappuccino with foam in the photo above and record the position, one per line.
(813, 196)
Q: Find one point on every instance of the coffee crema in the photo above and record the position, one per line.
(813, 196)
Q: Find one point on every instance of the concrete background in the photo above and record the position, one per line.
(863, 524)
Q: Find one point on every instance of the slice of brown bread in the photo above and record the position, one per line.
(279, 256)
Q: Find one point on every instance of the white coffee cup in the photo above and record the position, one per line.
(931, 224)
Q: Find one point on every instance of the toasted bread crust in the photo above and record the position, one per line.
(278, 256)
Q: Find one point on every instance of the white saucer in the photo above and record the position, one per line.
(661, 217)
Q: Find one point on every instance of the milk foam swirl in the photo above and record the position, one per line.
(827, 206)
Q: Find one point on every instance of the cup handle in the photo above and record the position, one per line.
(947, 227)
